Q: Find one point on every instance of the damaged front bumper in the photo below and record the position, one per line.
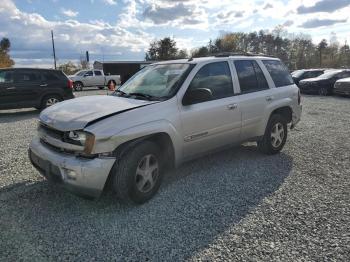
(85, 177)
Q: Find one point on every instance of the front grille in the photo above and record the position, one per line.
(57, 134)
(52, 132)
(342, 86)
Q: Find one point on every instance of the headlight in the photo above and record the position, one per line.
(77, 136)
(82, 138)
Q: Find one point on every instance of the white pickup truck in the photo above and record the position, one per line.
(91, 78)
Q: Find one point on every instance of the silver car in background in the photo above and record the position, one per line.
(93, 78)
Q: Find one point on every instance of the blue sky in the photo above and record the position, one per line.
(123, 29)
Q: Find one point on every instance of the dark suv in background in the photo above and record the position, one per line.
(39, 88)
(324, 84)
(305, 74)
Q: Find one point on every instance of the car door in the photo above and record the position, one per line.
(255, 95)
(6, 87)
(51, 82)
(99, 79)
(88, 79)
(26, 87)
(213, 122)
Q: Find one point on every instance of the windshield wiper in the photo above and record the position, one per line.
(148, 97)
(122, 93)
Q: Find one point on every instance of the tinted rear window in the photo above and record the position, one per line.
(250, 76)
(50, 76)
(279, 73)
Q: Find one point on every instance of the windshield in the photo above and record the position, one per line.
(157, 81)
(80, 73)
(329, 74)
(298, 73)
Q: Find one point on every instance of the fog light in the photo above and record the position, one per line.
(70, 174)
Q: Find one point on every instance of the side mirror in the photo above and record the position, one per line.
(197, 96)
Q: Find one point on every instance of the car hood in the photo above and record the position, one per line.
(315, 79)
(75, 114)
(344, 80)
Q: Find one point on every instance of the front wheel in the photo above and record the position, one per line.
(275, 135)
(137, 175)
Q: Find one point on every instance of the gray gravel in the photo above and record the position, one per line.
(234, 205)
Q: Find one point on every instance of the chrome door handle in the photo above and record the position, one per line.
(43, 85)
(10, 88)
(232, 107)
(269, 98)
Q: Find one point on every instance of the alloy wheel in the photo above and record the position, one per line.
(51, 101)
(147, 173)
(277, 135)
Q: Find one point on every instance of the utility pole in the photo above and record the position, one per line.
(53, 48)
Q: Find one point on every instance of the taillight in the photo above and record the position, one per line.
(299, 97)
(70, 84)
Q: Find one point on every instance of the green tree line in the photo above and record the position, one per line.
(297, 52)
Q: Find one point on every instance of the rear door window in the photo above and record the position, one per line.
(97, 73)
(6, 77)
(250, 76)
(89, 73)
(216, 77)
(26, 76)
(279, 73)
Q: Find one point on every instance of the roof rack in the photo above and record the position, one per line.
(227, 54)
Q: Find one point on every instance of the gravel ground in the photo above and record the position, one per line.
(234, 205)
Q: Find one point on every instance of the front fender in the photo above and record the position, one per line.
(109, 144)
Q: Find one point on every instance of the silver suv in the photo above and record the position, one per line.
(166, 114)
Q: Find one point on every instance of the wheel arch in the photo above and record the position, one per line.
(161, 139)
(46, 95)
(285, 111)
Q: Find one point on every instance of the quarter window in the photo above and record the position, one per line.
(251, 77)
(48, 76)
(279, 73)
(216, 77)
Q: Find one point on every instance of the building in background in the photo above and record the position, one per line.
(125, 69)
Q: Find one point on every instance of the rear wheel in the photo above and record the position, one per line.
(50, 100)
(137, 175)
(275, 135)
(78, 86)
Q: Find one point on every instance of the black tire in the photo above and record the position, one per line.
(78, 86)
(323, 91)
(125, 180)
(50, 100)
(101, 87)
(268, 145)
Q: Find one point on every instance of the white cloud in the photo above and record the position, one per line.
(110, 2)
(69, 12)
(71, 37)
